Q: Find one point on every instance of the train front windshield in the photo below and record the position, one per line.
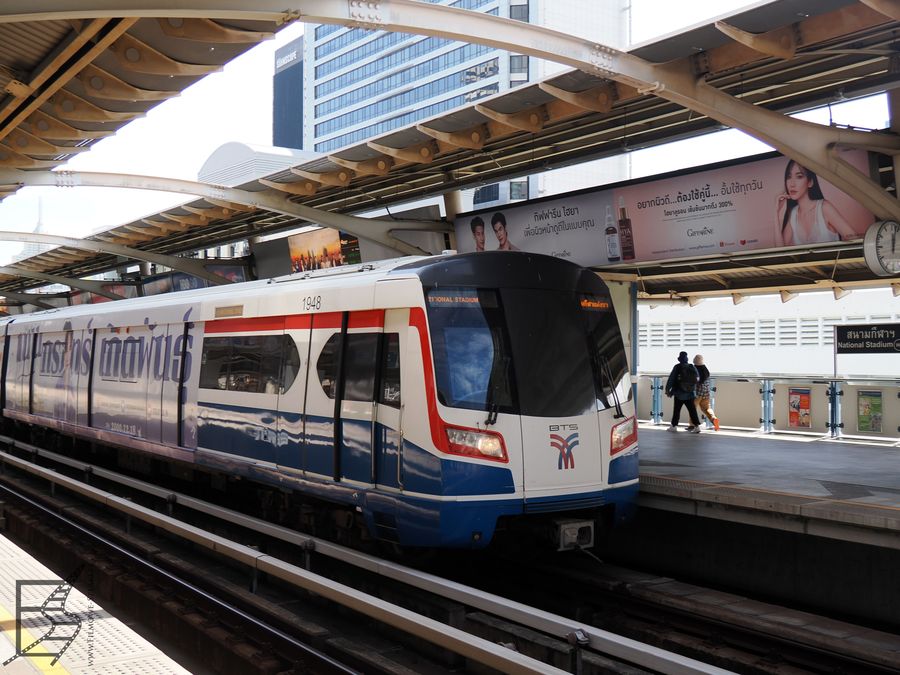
(541, 353)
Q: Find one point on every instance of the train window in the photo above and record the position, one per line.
(244, 367)
(290, 364)
(250, 364)
(326, 365)
(608, 361)
(270, 364)
(473, 362)
(359, 368)
(549, 341)
(390, 371)
(214, 363)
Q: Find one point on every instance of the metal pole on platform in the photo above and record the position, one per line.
(834, 409)
(767, 406)
(656, 399)
(762, 406)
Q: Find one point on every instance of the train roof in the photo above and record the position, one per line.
(172, 307)
(348, 287)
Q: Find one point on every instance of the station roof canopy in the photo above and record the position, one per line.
(69, 83)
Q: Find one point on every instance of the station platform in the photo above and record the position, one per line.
(846, 489)
(66, 624)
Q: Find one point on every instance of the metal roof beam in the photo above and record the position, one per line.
(679, 81)
(186, 265)
(81, 284)
(373, 229)
(27, 299)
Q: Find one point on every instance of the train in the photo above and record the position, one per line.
(433, 402)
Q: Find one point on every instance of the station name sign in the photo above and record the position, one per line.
(867, 339)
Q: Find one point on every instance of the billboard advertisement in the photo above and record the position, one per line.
(757, 204)
(319, 249)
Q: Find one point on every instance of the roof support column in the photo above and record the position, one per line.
(452, 207)
(894, 113)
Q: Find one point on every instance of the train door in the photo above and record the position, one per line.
(386, 459)
(355, 428)
(290, 444)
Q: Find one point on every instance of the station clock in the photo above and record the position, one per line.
(881, 248)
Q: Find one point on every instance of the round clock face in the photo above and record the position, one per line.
(881, 247)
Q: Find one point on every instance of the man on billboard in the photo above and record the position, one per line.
(477, 226)
(498, 222)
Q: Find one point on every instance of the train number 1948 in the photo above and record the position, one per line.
(311, 302)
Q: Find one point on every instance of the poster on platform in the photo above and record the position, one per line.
(869, 415)
(798, 408)
(758, 204)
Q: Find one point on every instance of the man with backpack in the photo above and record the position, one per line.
(682, 385)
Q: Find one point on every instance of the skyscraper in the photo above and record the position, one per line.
(358, 84)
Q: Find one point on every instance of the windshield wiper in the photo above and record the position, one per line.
(493, 408)
(606, 373)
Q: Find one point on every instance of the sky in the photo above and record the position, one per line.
(175, 138)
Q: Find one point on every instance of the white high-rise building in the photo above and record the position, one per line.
(358, 84)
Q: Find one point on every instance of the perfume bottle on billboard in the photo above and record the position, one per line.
(612, 237)
(625, 234)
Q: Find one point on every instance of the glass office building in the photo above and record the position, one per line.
(340, 86)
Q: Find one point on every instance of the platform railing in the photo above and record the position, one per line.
(829, 406)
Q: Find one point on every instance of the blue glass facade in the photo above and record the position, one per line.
(406, 118)
(410, 97)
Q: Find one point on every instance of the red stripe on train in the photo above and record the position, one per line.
(365, 319)
(438, 437)
(257, 325)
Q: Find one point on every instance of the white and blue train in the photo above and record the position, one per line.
(435, 401)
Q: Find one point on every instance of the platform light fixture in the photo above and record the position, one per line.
(693, 300)
(737, 298)
(840, 292)
(787, 296)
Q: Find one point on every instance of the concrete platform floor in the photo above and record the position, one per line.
(845, 489)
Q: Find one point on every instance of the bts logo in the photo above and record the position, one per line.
(564, 445)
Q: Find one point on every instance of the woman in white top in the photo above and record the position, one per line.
(804, 216)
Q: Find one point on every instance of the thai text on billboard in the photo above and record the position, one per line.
(758, 204)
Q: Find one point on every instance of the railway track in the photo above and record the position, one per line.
(562, 624)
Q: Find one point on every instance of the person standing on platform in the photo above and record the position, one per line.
(703, 396)
(682, 385)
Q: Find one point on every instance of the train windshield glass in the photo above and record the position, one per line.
(471, 346)
(534, 352)
(610, 368)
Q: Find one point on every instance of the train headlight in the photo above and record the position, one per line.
(476, 443)
(623, 436)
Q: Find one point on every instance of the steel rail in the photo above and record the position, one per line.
(561, 627)
(186, 585)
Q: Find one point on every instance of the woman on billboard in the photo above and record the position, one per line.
(804, 216)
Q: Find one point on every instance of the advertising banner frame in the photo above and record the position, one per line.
(758, 203)
(869, 411)
(799, 408)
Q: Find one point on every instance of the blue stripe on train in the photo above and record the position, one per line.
(623, 468)
(409, 520)
(249, 433)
